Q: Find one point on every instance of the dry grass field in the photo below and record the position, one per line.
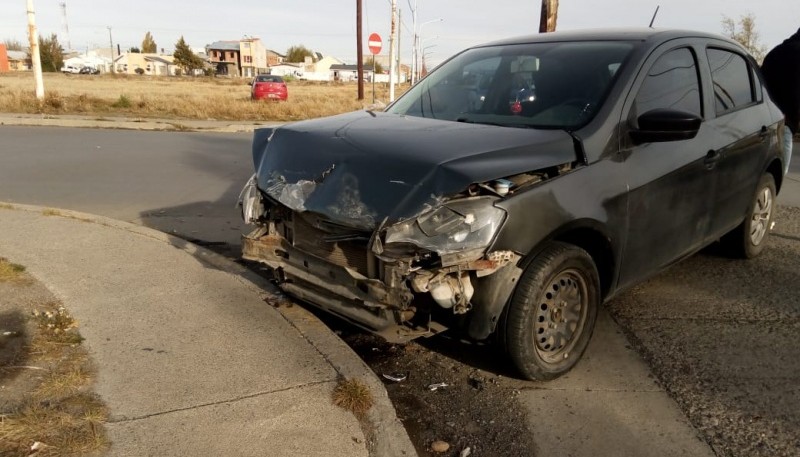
(179, 97)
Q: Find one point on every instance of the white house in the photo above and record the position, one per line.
(287, 69)
(89, 59)
(146, 64)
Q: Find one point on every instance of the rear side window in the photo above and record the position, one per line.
(671, 83)
(732, 80)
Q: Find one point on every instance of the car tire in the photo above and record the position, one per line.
(749, 238)
(549, 320)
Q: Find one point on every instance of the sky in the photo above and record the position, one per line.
(329, 26)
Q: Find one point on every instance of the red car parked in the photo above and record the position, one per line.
(270, 87)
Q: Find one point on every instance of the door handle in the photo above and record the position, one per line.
(762, 135)
(711, 159)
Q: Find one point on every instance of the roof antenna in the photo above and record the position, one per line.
(654, 16)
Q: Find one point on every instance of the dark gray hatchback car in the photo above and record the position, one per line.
(518, 186)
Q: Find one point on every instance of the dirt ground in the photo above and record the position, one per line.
(18, 299)
(477, 409)
(721, 335)
(47, 407)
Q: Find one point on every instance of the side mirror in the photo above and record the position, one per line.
(660, 125)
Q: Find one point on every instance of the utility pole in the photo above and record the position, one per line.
(549, 16)
(36, 59)
(111, 45)
(392, 63)
(360, 51)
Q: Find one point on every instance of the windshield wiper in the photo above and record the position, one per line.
(472, 121)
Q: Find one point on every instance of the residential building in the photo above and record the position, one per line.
(286, 69)
(347, 73)
(224, 57)
(319, 70)
(4, 67)
(246, 57)
(12, 60)
(90, 59)
(147, 64)
(254, 57)
(274, 58)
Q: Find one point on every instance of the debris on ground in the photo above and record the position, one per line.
(440, 446)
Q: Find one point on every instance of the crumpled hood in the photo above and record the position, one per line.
(360, 168)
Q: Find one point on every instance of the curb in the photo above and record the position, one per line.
(162, 125)
(386, 435)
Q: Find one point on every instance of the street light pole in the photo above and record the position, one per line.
(418, 42)
(413, 41)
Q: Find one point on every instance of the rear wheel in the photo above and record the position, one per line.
(549, 320)
(748, 239)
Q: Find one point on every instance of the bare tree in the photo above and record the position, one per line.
(744, 32)
(13, 45)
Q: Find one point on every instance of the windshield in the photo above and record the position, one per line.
(544, 85)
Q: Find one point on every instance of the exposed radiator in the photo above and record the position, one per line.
(311, 240)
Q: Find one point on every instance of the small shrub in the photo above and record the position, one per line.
(354, 396)
(10, 271)
(53, 100)
(58, 326)
(122, 102)
(139, 71)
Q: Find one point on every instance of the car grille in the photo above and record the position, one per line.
(311, 240)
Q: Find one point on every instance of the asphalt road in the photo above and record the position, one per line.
(720, 335)
(181, 183)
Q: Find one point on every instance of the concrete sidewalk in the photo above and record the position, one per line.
(191, 360)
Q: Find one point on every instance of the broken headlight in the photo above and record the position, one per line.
(251, 201)
(457, 226)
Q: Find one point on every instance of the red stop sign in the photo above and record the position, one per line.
(374, 43)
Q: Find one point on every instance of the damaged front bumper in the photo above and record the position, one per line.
(338, 289)
(394, 299)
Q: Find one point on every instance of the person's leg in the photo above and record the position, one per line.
(787, 148)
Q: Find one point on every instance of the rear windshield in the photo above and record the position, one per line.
(268, 79)
(544, 85)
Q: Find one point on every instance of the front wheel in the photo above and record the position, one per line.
(749, 238)
(547, 325)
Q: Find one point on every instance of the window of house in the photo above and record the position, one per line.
(231, 54)
(248, 59)
(732, 80)
(673, 83)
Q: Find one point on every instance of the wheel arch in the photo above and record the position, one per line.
(775, 168)
(592, 237)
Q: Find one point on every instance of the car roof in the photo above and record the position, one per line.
(643, 34)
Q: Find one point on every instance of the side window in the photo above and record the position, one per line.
(673, 83)
(732, 80)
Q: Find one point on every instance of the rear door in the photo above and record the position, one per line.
(740, 119)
